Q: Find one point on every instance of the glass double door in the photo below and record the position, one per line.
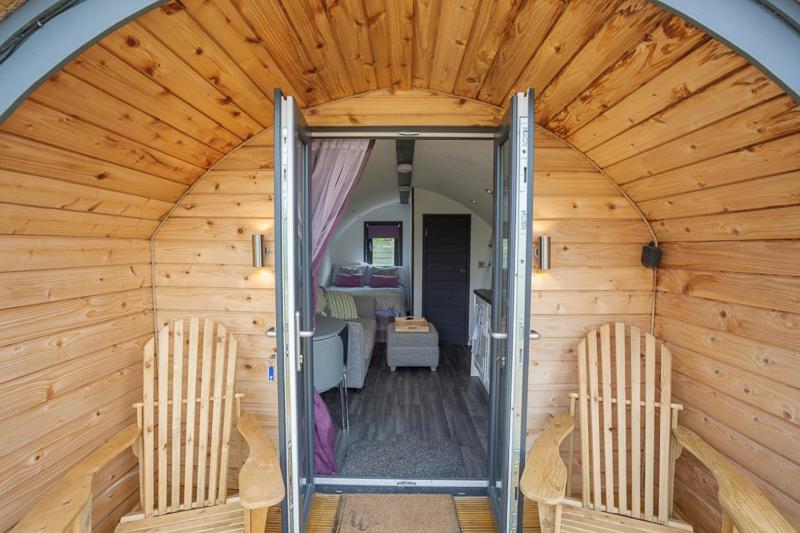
(511, 265)
(294, 321)
(510, 322)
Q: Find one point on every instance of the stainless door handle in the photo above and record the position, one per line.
(271, 333)
(534, 335)
(306, 334)
(462, 271)
(498, 336)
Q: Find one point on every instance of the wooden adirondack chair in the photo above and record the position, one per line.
(627, 475)
(183, 442)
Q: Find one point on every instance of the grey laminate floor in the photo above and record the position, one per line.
(419, 406)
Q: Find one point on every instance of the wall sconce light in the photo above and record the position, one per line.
(260, 250)
(543, 252)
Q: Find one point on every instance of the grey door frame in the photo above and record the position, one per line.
(510, 348)
(453, 486)
(296, 346)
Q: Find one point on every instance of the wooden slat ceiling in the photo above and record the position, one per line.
(146, 111)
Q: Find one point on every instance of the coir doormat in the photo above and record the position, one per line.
(397, 513)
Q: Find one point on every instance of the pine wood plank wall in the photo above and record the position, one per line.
(703, 141)
(74, 315)
(203, 257)
(728, 305)
(715, 170)
(204, 264)
(203, 252)
(595, 276)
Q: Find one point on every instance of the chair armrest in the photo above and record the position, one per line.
(748, 508)
(64, 507)
(260, 480)
(545, 476)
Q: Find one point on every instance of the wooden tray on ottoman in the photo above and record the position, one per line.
(411, 324)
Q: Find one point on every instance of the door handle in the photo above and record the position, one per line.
(271, 333)
(498, 336)
(534, 335)
(301, 334)
(462, 271)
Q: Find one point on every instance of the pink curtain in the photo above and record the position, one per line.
(338, 165)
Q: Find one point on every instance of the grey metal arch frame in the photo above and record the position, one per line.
(51, 42)
(767, 32)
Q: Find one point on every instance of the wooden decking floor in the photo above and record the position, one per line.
(474, 515)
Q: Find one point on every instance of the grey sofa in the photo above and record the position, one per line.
(361, 341)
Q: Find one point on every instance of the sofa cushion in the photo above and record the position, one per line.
(365, 305)
(386, 270)
(361, 335)
(370, 326)
(356, 269)
(348, 280)
(377, 281)
(342, 305)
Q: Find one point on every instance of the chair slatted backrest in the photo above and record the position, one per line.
(626, 451)
(186, 424)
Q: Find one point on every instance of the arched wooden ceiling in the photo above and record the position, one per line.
(146, 111)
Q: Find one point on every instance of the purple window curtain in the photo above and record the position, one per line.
(388, 231)
(338, 165)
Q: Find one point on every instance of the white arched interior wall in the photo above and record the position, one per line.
(347, 244)
(375, 198)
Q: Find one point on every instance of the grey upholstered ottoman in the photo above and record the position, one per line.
(413, 348)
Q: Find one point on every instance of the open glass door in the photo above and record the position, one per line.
(294, 309)
(511, 284)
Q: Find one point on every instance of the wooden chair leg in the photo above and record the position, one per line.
(550, 518)
(255, 520)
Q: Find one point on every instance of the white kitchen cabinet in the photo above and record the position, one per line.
(481, 340)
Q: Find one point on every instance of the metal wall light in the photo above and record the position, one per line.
(544, 252)
(260, 250)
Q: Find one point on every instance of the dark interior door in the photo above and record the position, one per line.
(445, 275)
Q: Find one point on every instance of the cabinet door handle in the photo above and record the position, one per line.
(498, 336)
(534, 335)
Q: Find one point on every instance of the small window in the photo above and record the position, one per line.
(383, 243)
